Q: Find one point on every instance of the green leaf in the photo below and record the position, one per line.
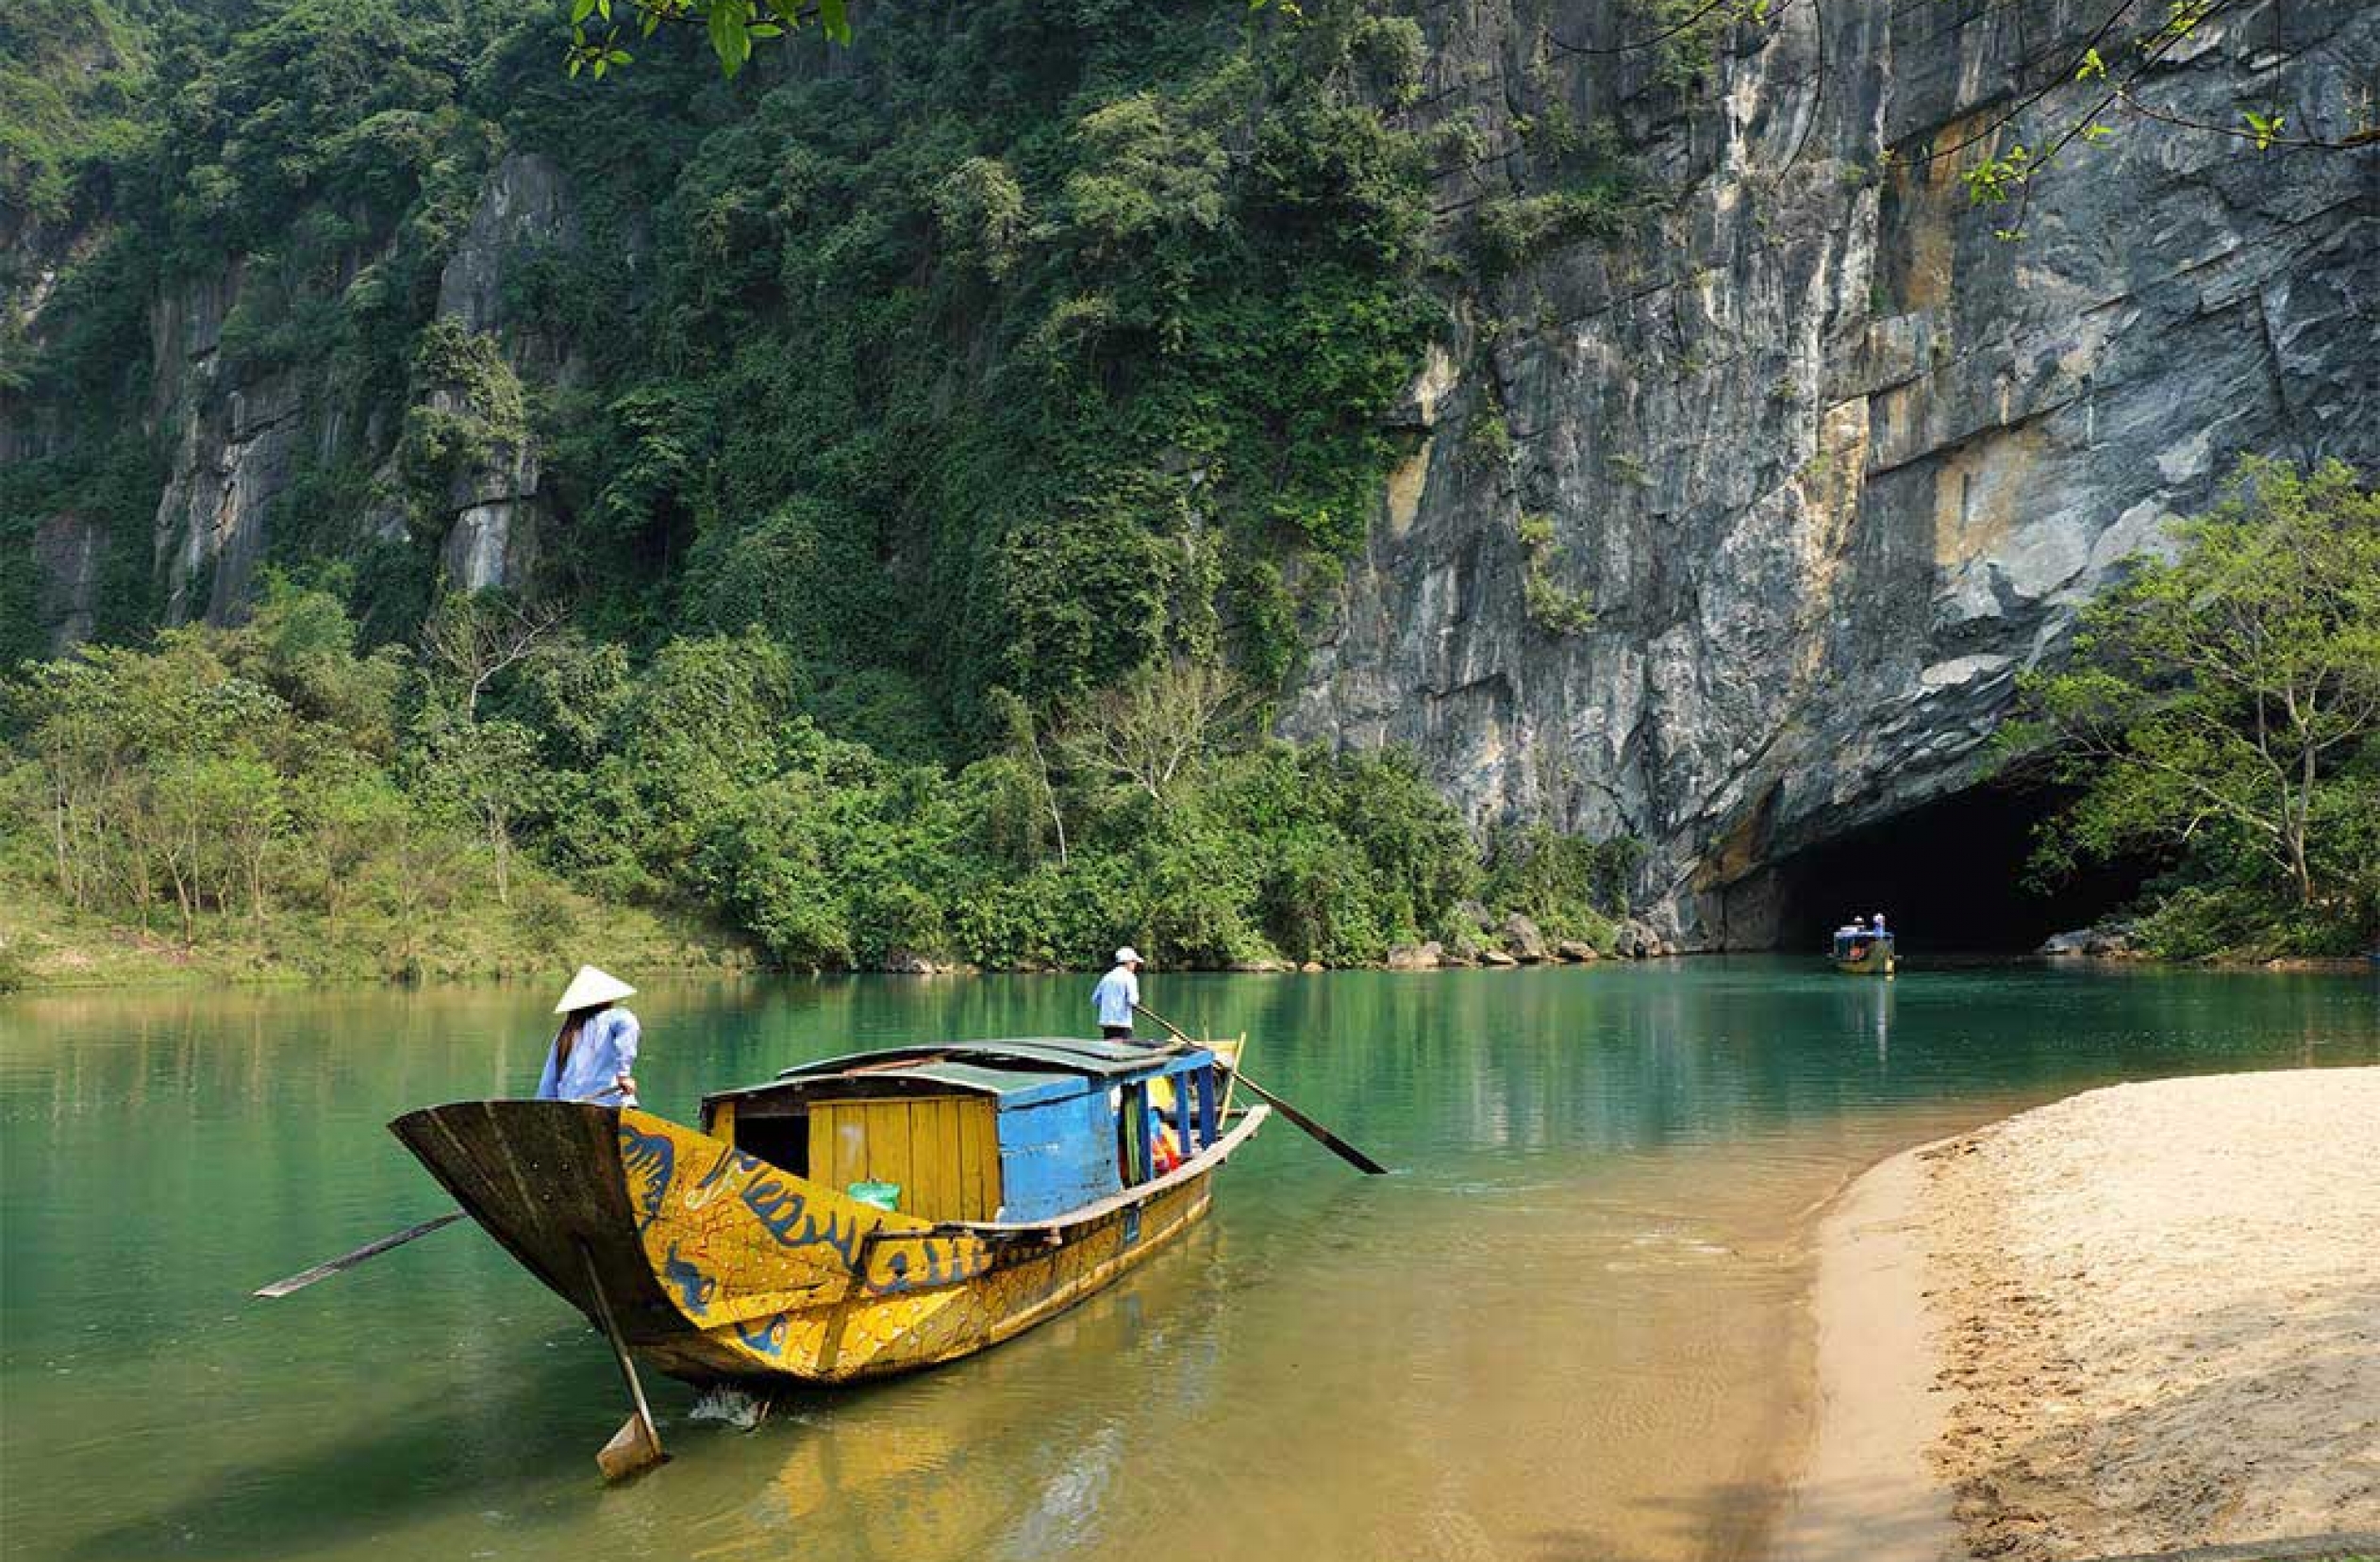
(579, 10)
(765, 29)
(2093, 68)
(834, 19)
(728, 38)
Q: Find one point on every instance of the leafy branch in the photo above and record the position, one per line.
(733, 27)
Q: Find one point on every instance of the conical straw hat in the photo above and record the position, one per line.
(592, 987)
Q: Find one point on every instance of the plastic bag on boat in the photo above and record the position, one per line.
(884, 1196)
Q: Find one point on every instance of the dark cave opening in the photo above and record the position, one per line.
(1949, 876)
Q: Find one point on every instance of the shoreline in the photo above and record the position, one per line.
(2134, 1321)
(175, 969)
(1863, 1491)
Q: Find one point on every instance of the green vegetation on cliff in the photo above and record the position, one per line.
(936, 444)
(2223, 714)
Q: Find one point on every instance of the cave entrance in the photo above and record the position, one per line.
(1949, 876)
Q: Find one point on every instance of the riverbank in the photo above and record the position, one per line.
(2143, 1319)
(46, 944)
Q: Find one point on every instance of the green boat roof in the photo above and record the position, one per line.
(1017, 1073)
(1039, 1057)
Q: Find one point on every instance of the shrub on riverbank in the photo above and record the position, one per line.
(2223, 711)
(264, 800)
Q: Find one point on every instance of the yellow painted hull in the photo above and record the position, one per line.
(720, 1267)
(1876, 962)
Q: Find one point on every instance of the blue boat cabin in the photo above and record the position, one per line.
(1017, 1132)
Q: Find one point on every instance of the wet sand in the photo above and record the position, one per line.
(2149, 1325)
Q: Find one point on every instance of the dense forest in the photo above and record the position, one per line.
(932, 452)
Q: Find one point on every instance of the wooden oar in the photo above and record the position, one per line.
(330, 1267)
(1315, 1131)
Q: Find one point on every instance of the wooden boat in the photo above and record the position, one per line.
(1024, 1175)
(1862, 951)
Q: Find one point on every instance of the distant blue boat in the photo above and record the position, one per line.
(1863, 952)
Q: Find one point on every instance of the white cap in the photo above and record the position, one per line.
(590, 988)
(1127, 956)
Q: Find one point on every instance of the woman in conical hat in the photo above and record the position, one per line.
(594, 1054)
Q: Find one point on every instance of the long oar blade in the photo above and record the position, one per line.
(330, 1267)
(1315, 1131)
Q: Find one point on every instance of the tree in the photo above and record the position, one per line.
(2225, 702)
(1023, 792)
(1149, 732)
(475, 636)
(488, 774)
(354, 812)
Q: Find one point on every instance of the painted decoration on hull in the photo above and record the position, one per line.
(733, 1238)
(782, 1276)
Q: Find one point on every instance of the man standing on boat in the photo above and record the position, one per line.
(594, 1054)
(1117, 994)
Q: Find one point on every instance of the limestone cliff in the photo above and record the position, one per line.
(1829, 460)
(238, 433)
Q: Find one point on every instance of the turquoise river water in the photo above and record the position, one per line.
(1570, 1327)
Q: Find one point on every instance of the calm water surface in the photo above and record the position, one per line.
(1569, 1329)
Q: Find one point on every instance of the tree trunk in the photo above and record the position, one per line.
(58, 831)
(1058, 820)
(503, 843)
(2295, 814)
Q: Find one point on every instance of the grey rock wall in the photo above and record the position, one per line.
(241, 440)
(1831, 462)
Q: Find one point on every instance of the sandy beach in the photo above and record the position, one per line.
(2142, 1321)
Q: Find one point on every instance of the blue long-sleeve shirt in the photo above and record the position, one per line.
(607, 1048)
(1115, 995)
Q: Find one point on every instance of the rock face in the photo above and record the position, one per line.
(66, 564)
(1523, 940)
(525, 211)
(241, 436)
(2098, 942)
(234, 438)
(1831, 462)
